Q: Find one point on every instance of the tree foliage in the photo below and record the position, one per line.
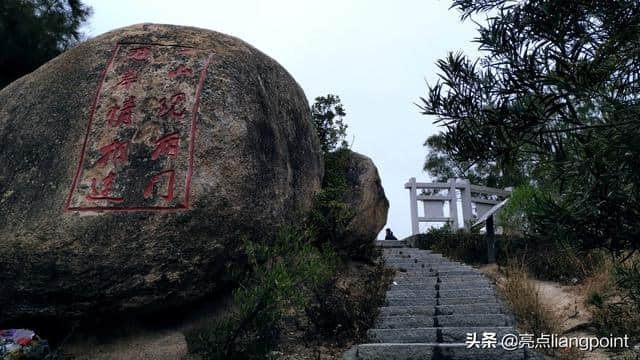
(440, 165)
(328, 114)
(35, 31)
(554, 98)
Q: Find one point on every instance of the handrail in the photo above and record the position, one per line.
(482, 205)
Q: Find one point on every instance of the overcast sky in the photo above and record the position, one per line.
(376, 55)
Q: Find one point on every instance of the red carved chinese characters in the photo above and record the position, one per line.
(167, 145)
(124, 113)
(139, 53)
(116, 151)
(126, 79)
(171, 174)
(106, 189)
(180, 71)
(139, 146)
(169, 107)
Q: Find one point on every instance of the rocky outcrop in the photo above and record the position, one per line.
(366, 197)
(132, 167)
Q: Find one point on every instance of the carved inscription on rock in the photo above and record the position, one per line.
(138, 150)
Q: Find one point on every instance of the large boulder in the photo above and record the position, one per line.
(134, 165)
(365, 196)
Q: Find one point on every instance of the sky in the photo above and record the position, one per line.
(376, 55)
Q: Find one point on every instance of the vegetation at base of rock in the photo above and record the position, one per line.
(328, 117)
(292, 276)
(284, 274)
(341, 314)
(330, 215)
(35, 31)
(299, 273)
(351, 208)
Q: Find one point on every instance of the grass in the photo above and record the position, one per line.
(613, 310)
(524, 299)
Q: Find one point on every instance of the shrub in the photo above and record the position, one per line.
(330, 215)
(556, 261)
(347, 312)
(612, 306)
(560, 261)
(627, 278)
(467, 247)
(514, 216)
(284, 274)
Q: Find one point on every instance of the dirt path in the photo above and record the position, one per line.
(164, 345)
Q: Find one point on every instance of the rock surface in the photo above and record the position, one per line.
(366, 197)
(133, 165)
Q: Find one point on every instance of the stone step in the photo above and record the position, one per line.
(414, 286)
(426, 351)
(448, 273)
(412, 335)
(413, 255)
(462, 278)
(404, 294)
(411, 302)
(404, 278)
(431, 266)
(408, 321)
(446, 289)
(391, 243)
(432, 261)
(473, 292)
(406, 250)
(404, 256)
(442, 294)
(411, 266)
(435, 334)
(453, 285)
(430, 277)
(420, 263)
(414, 273)
(441, 268)
(440, 310)
(473, 320)
(422, 258)
(466, 300)
(459, 334)
(494, 308)
(407, 310)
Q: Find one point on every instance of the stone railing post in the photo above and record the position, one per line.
(491, 241)
(467, 211)
(453, 204)
(413, 196)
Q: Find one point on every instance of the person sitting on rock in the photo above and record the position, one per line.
(390, 235)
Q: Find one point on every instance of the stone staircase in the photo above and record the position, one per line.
(431, 306)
